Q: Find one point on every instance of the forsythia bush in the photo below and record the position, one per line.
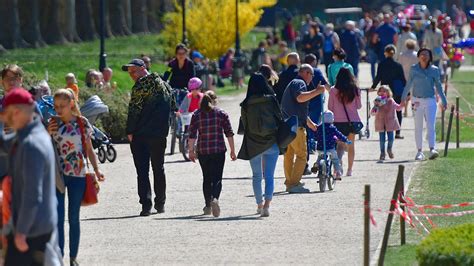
(210, 24)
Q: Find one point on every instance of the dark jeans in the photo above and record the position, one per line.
(75, 187)
(398, 99)
(212, 166)
(34, 255)
(327, 60)
(144, 149)
(355, 66)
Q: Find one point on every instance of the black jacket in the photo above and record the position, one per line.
(389, 71)
(284, 79)
(260, 116)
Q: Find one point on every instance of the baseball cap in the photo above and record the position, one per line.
(17, 96)
(196, 54)
(135, 62)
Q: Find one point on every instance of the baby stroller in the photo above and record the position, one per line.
(92, 109)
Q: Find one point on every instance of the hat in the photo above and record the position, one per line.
(194, 84)
(328, 117)
(18, 96)
(135, 62)
(196, 54)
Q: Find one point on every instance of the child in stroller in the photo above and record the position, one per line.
(93, 109)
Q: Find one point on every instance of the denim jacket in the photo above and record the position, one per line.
(422, 83)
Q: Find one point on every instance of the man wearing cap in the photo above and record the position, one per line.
(295, 102)
(147, 127)
(32, 168)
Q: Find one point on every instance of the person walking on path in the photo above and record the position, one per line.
(147, 127)
(387, 34)
(339, 57)
(386, 120)
(209, 124)
(260, 115)
(433, 41)
(32, 168)
(403, 38)
(313, 42)
(68, 131)
(408, 58)
(373, 46)
(390, 72)
(344, 101)
(331, 42)
(286, 76)
(424, 79)
(351, 42)
(295, 102)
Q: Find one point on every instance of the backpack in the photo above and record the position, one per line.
(222, 61)
(328, 45)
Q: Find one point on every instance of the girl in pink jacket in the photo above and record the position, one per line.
(386, 121)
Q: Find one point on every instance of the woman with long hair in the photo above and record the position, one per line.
(260, 114)
(208, 125)
(67, 129)
(344, 101)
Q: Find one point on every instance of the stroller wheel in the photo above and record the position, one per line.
(111, 154)
(101, 154)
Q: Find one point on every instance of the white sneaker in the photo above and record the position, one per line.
(265, 212)
(433, 154)
(216, 210)
(259, 210)
(420, 156)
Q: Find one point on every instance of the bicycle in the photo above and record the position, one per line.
(183, 141)
(175, 121)
(325, 172)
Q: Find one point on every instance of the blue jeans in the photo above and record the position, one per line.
(372, 59)
(266, 160)
(382, 141)
(75, 187)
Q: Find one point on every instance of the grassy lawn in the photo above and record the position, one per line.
(58, 60)
(442, 181)
(463, 82)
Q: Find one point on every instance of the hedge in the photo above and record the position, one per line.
(449, 246)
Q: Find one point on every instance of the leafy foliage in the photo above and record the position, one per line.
(210, 24)
(451, 246)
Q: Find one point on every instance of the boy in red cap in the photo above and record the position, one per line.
(32, 168)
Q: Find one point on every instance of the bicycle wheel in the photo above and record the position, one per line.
(330, 177)
(184, 147)
(111, 153)
(173, 128)
(101, 154)
(322, 176)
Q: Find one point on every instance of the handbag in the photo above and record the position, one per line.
(92, 185)
(354, 127)
(287, 130)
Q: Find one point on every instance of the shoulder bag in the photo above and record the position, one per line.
(92, 185)
(354, 127)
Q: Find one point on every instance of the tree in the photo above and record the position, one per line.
(10, 35)
(70, 32)
(96, 9)
(30, 22)
(154, 15)
(139, 17)
(52, 32)
(118, 21)
(85, 21)
(210, 24)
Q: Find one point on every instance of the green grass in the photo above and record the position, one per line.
(463, 82)
(58, 60)
(442, 181)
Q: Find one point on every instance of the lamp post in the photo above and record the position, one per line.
(185, 39)
(237, 35)
(102, 55)
(238, 63)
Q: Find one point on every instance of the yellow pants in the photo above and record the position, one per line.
(294, 168)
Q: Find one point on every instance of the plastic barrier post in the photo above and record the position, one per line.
(448, 134)
(367, 225)
(457, 123)
(388, 226)
(402, 220)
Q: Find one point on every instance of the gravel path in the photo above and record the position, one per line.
(315, 228)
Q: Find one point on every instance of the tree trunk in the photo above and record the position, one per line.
(96, 14)
(139, 16)
(53, 33)
(70, 32)
(154, 15)
(85, 21)
(30, 22)
(127, 6)
(10, 34)
(118, 20)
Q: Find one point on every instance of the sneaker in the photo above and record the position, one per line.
(338, 176)
(73, 262)
(265, 212)
(399, 137)
(390, 154)
(207, 210)
(433, 154)
(216, 210)
(349, 173)
(145, 211)
(160, 208)
(259, 210)
(298, 189)
(382, 157)
(420, 156)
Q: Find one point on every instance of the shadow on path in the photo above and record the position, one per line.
(207, 218)
(111, 218)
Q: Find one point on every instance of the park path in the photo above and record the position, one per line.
(315, 228)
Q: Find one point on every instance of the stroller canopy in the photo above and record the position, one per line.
(94, 107)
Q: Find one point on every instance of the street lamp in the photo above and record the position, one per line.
(185, 39)
(239, 60)
(102, 55)
(237, 35)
